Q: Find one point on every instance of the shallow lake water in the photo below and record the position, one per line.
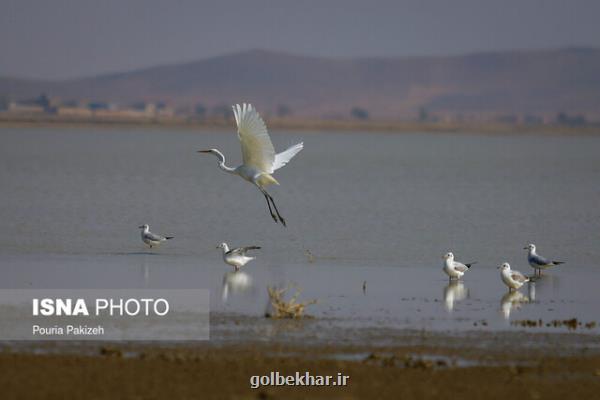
(361, 207)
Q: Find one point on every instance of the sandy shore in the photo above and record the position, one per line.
(395, 372)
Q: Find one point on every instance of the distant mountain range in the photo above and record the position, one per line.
(539, 82)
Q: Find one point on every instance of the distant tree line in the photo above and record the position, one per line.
(571, 120)
(359, 113)
(223, 110)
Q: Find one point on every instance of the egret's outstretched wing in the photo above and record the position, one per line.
(257, 149)
(285, 156)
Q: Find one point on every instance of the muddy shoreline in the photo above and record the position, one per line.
(440, 365)
(411, 364)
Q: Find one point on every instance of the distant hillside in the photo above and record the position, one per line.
(541, 82)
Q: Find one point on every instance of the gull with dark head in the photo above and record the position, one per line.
(511, 278)
(454, 269)
(537, 262)
(236, 257)
(259, 158)
(152, 239)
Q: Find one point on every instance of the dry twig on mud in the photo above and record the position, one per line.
(286, 309)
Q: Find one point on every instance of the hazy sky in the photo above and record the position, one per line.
(69, 38)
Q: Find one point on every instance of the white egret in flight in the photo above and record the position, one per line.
(258, 154)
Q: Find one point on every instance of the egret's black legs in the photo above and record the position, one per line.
(269, 204)
(276, 210)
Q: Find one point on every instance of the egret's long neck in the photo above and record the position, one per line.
(222, 165)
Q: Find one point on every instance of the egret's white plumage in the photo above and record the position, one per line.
(152, 239)
(236, 257)
(454, 269)
(258, 154)
(285, 156)
(511, 278)
(257, 148)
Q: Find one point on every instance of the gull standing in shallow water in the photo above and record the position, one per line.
(152, 239)
(512, 279)
(537, 262)
(258, 153)
(454, 269)
(236, 257)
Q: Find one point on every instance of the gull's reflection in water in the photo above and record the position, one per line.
(531, 291)
(145, 272)
(548, 286)
(235, 282)
(512, 301)
(453, 292)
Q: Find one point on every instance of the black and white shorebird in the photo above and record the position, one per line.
(511, 278)
(236, 257)
(454, 269)
(152, 239)
(537, 262)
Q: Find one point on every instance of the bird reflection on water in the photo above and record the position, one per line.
(512, 301)
(235, 282)
(453, 292)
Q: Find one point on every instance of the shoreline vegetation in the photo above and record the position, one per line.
(304, 124)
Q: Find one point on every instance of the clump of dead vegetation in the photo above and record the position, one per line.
(280, 308)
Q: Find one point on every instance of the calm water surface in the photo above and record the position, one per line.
(380, 208)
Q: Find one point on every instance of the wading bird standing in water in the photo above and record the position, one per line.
(511, 278)
(236, 257)
(454, 269)
(537, 262)
(258, 153)
(152, 239)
